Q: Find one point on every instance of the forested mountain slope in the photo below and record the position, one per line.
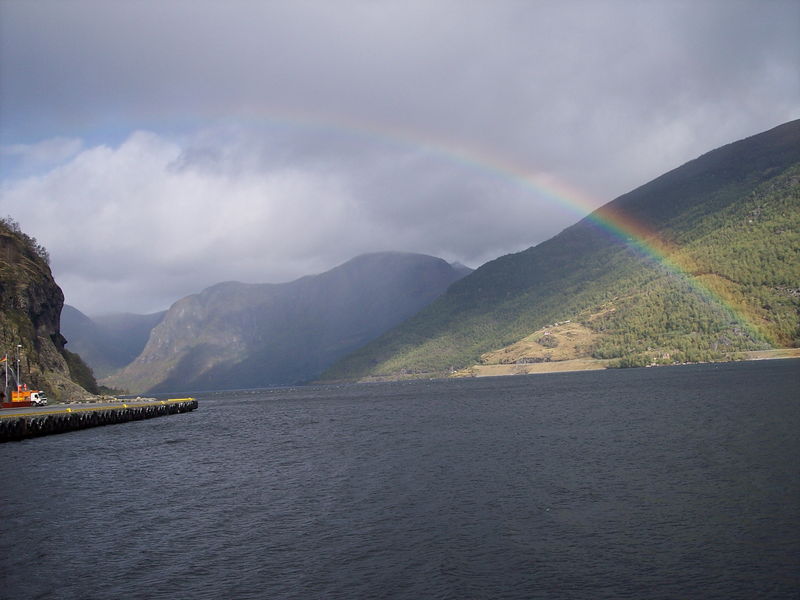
(720, 273)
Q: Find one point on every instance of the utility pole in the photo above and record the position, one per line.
(19, 351)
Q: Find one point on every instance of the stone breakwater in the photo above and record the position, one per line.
(107, 400)
(15, 426)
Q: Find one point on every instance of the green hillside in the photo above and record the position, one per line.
(730, 219)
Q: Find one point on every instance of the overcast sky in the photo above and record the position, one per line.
(158, 147)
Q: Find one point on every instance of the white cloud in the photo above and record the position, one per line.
(138, 226)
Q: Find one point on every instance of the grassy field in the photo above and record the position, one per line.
(565, 347)
(557, 342)
(771, 354)
(577, 364)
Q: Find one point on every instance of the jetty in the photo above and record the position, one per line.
(23, 423)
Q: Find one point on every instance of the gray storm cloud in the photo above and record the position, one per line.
(160, 219)
(184, 143)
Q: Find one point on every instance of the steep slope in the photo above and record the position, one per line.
(109, 342)
(728, 219)
(30, 308)
(236, 335)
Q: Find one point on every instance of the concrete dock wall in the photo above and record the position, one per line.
(14, 427)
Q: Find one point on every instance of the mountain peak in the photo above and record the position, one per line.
(236, 335)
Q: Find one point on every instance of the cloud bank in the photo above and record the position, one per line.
(157, 148)
(162, 218)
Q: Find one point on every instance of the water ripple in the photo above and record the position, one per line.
(648, 483)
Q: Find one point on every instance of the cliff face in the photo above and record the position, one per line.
(30, 310)
(107, 343)
(236, 335)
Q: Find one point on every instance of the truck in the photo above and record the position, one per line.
(25, 397)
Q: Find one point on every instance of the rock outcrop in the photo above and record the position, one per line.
(30, 312)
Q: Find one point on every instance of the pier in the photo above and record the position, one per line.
(20, 424)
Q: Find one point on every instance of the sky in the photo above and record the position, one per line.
(157, 147)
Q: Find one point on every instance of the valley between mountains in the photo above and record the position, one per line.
(709, 272)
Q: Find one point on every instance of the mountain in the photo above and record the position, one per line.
(109, 342)
(237, 335)
(698, 264)
(30, 309)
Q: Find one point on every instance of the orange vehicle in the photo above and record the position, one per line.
(25, 397)
(21, 396)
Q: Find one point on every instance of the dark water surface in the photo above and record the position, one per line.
(676, 482)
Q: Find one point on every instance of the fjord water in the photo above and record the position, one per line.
(675, 482)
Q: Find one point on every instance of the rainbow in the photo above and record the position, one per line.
(632, 233)
(635, 235)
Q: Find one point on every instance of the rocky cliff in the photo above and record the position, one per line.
(30, 311)
(236, 335)
(107, 343)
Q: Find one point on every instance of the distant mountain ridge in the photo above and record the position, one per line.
(731, 218)
(237, 335)
(107, 342)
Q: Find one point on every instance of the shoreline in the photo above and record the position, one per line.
(595, 364)
(562, 366)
